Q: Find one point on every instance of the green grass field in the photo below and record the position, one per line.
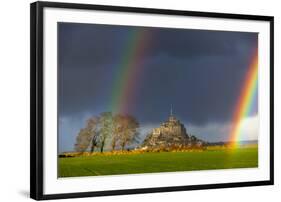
(158, 162)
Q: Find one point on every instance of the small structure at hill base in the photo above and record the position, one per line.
(170, 135)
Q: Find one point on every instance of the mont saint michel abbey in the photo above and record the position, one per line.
(171, 133)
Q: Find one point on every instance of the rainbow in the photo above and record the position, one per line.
(128, 71)
(245, 100)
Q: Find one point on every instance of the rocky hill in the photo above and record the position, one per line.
(170, 134)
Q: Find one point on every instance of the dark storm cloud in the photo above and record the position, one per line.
(194, 43)
(199, 72)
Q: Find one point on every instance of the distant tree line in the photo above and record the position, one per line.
(119, 130)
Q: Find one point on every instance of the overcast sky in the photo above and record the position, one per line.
(199, 72)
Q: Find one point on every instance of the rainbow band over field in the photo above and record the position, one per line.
(126, 79)
(245, 101)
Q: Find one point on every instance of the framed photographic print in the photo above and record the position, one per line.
(136, 100)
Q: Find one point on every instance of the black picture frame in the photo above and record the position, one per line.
(36, 99)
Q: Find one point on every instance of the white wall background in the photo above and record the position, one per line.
(14, 100)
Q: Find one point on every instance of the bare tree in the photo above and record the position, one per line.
(128, 130)
(117, 129)
(106, 128)
(83, 140)
(87, 136)
(92, 125)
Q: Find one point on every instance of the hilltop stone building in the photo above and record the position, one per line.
(170, 134)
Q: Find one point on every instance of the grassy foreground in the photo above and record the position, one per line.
(158, 162)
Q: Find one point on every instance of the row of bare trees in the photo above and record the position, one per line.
(118, 130)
